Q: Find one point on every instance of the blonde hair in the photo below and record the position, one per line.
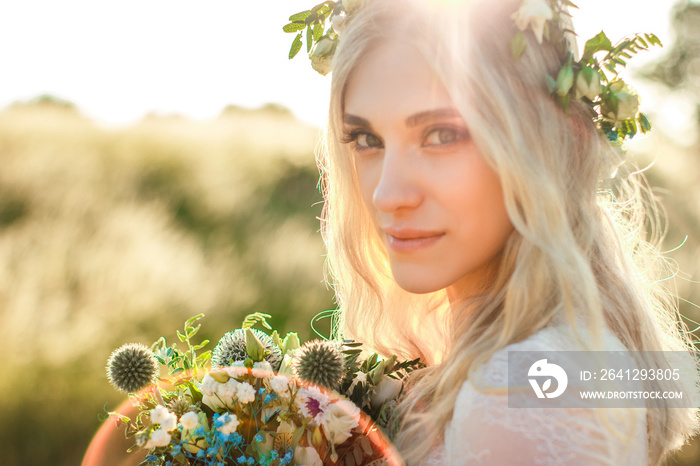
(576, 249)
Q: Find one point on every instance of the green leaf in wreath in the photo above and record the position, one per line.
(564, 101)
(551, 84)
(596, 44)
(644, 123)
(294, 27)
(300, 16)
(565, 78)
(309, 38)
(318, 31)
(653, 40)
(323, 8)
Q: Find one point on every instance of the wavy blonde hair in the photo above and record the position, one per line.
(576, 249)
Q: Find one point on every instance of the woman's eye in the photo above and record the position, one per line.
(441, 136)
(367, 140)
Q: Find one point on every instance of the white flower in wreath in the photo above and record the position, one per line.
(588, 84)
(533, 13)
(339, 23)
(352, 5)
(622, 103)
(322, 54)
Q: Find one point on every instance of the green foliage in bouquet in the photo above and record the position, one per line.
(178, 361)
(258, 399)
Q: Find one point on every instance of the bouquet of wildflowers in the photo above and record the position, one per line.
(259, 399)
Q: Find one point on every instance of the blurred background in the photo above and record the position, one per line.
(156, 161)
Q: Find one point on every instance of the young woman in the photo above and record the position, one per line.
(468, 214)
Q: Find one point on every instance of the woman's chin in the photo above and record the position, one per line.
(418, 285)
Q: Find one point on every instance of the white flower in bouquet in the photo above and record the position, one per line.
(308, 456)
(287, 366)
(245, 393)
(190, 441)
(263, 366)
(360, 377)
(533, 13)
(285, 433)
(280, 385)
(216, 394)
(388, 389)
(230, 424)
(313, 404)
(342, 417)
(209, 386)
(159, 438)
(228, 391)
(286, 427)
(166, 419)
(189, 421)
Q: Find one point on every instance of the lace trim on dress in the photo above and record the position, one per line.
(484, 430)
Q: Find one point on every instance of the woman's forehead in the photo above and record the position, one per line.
(394, 79)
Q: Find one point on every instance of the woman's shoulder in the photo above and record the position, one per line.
(485, 429)
(494, 372)
(559, 337)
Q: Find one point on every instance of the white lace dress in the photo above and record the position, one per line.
(484, 430)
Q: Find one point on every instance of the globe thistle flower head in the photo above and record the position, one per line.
(232, 348)
(132, 367)
(180, 406)
(320, 362)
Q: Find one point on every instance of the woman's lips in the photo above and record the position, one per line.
(406, 241)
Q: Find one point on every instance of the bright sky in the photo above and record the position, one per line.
(121, 59)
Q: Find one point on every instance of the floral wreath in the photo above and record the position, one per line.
(594, 79)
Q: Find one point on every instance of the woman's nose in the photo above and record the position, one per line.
(398, 187)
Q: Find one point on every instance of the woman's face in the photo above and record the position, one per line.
(435, 202)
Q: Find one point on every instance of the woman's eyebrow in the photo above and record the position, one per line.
(414, 120)
(353, 120)
(423, 117)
